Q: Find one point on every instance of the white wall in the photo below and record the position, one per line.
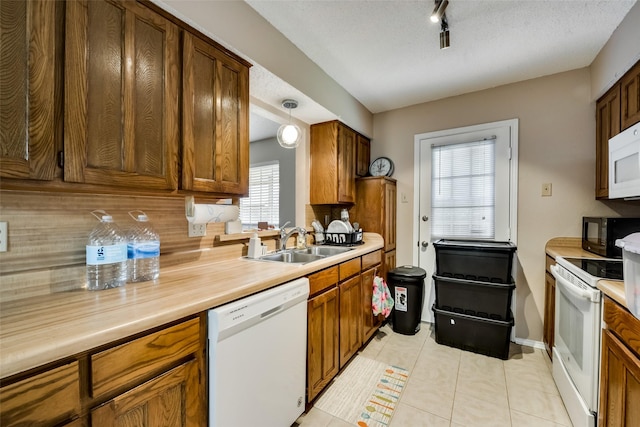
(556, 144)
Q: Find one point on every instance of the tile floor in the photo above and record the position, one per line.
(451, 387)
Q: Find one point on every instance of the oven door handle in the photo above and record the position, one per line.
(593, 296)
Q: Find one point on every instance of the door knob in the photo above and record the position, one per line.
(425, 244)
(425, 218)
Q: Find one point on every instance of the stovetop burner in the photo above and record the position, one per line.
(603, 268)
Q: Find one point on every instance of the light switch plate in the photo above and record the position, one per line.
(197, 230)
(4, 236)
(546, 189)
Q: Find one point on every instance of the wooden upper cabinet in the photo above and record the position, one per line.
(630, 88)
(27, 56)
(376, 208)
(215, 120)
(333, 148)
(607, 126)
(363, 155)
(121, 95)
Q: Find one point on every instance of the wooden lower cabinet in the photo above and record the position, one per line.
(168, 400)
(350, 318)
(322, 341)
(388, 263)
(156, 379)
(46, 399)
(549, 307)
(339, 317)
(619, 367)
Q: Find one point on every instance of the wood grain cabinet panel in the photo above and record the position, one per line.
(350, 318)
(169, 400)
(549, 313)
(135, 360)
(121, 95)
(370, 323)
(333, 164)
(363, 155)
(349, 268)
(322, 280)
(215, 119)
(389, 262)
(27, 67)
(607, 126)
(619, 384)
(630, 97)
(45, 399)
(323, 362)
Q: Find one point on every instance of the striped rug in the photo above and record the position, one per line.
(365, 393)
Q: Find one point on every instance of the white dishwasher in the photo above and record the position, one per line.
(257, 358)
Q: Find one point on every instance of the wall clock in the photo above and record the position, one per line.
(382, 166)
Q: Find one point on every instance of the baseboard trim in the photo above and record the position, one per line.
(529, 343)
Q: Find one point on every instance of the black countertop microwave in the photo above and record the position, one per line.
(599, 234)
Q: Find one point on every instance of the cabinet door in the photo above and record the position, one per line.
(549, 312)
(619, 384)
(389, 263)
(322, 341)
(27, 66)
(370, 323)
(630, 88)
(346, 165)
(121, 95)
(350, 318)
(389, 215)
(607, 125)
(363, 155)
(46, 399)
(215, 120)
(171, 400)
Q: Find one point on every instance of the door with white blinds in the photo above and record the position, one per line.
(465, 184)
(263, 202)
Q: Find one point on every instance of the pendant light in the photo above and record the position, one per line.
(289, 135)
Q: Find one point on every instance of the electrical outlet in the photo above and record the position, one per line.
(4, 236)
(197, 230)
(546, 189)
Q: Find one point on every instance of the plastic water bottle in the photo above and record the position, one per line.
(106, 254)
(143, 250)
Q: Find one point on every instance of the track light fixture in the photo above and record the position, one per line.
(289, 135)
(438, 11)
(444, 33)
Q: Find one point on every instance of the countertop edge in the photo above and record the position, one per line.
(572, 247)
(41, 331)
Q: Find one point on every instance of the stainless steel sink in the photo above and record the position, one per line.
(291, 257)
(303, 256)
(324, 250)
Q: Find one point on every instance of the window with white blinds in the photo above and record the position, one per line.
(263, 203)
(463, 190)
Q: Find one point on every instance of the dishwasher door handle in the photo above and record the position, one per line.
(271, 312)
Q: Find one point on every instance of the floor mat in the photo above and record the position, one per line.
(365, 393)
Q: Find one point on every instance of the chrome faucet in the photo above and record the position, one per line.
(284, 235)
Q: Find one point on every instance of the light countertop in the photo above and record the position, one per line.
(572, 247)
(40, 330)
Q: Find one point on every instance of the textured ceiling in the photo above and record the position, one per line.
(387, 55)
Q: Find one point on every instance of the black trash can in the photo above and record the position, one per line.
(406, 284)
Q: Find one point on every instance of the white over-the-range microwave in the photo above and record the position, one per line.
(624, 164)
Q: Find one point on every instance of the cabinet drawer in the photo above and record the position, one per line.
(371, 259)
(322, 280)
(623, 324)
(349, 268)
(137, 359)
(44, 399)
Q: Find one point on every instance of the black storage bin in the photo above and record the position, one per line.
(481, 299)
(406, 285)
(483, 261)
(485, 336)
